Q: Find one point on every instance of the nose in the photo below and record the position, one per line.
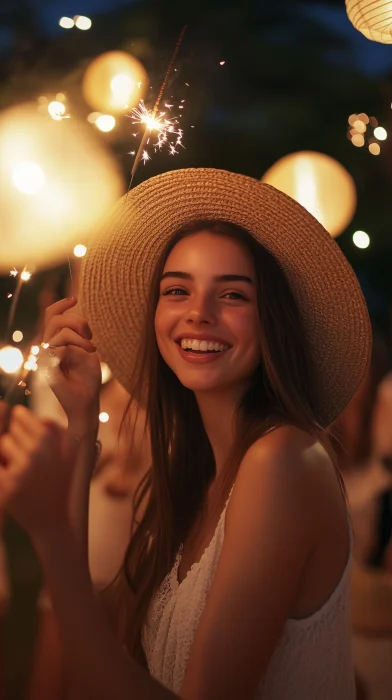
(200, 310)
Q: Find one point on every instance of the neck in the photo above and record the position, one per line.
(217, 412)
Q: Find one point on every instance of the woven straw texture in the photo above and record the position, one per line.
(120, 260)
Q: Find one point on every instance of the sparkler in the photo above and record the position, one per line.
(167, 131)
(153, 116)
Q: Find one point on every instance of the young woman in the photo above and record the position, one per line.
(230, 314)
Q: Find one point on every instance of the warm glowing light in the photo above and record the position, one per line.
(66, 22)
(82, 22)
(358, 140)
(11, 359)
(359, 126)
(114, 81)
(31, 365)
(363, 117)
(373, 18)
(318, 182)
(28, 177)
(106, 122)
(75, 181)
(122, 86)
(17, 336)
(380, 133)
(34, 350)
(56, 109)
(361, 239)
(25, 276)
(92, 118)
(103, 417)
(352, 118)
(80, 250)
(167, 131)
(374, 149)
(106, 373)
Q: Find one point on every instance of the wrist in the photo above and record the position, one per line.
(85, 422)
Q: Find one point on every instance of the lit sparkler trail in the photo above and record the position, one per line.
(167, 131)
(154, 112)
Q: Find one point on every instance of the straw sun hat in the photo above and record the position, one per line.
(117, 269)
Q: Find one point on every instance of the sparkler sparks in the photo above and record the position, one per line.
(168, 133)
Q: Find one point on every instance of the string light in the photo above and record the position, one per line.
(66, 22)
(57, 110)
(82, 22)
(358, 133)
(380, 133)
(361, 239)
(80, 251)
(17, 336)
(11, 359)
(106, 373)
(25, 276)
(374, 149)
(103, 417)
(105, 122)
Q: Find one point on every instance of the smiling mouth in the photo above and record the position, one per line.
(202, 346)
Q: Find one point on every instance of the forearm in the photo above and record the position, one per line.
(86, 434)
(95, 658)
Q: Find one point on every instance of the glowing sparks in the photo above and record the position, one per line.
(25, 276)
(168, 134)
(14, 272)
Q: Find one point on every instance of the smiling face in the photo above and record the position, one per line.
(206, 320)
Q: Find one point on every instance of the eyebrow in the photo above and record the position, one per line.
(216, 278)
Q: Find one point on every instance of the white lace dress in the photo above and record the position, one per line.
(312, 660)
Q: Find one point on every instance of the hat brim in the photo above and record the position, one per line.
(117, 270)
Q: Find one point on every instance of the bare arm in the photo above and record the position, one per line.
(99, 665)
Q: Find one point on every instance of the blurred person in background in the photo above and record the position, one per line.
(364, 447)
(365, 458)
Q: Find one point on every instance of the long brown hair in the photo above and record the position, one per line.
(282, 391)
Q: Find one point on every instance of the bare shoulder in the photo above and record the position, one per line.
(296, 472)
(291, 452)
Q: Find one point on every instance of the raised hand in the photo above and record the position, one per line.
(37, 461)
(74, 372)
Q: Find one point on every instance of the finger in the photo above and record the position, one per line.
(27, 421)
(73, 321)
(67, 337)
(5, 410)
(59, 307)
(20, 435)
(13, 452)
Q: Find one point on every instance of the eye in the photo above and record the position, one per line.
(174, 292)
(234, 296)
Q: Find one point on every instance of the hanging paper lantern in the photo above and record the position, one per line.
(373, 18)
(57, 181)
(114, 81)
(318, 182)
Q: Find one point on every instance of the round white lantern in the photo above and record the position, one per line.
(318, 182)
(373, 18)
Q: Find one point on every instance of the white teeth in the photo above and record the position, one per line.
(202, 345)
